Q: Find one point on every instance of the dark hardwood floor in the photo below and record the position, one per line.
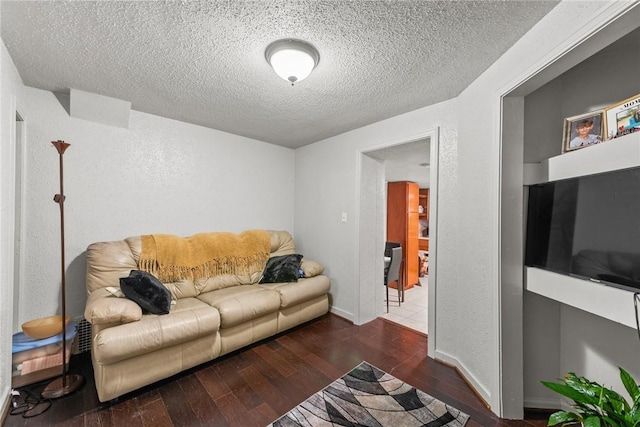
(256, 385)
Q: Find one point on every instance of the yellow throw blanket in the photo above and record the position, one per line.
(171, 258)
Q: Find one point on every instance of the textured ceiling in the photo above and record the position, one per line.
(203, 62)
(410, 161)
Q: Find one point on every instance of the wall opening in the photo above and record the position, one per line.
(372, 236)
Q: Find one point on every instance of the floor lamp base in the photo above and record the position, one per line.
(57, 388)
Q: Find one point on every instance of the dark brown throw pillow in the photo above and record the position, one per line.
(147, 291)
(282, 269)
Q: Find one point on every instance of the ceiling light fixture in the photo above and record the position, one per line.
(291, 59)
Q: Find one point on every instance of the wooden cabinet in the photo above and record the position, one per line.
(403, 225)
(423, 200)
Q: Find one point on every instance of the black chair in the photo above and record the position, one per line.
(387, 254)
(392, 273)
(388, 246)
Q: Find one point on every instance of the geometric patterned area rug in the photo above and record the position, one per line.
(368, 396)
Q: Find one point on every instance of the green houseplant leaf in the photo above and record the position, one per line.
(564, 418)
(595, 405)
(570, 392)
(629, 384)
(592, 421)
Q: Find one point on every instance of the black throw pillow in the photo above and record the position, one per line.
(282, 269)
(147, 291)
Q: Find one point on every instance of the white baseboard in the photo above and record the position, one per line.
(541, 403)
(467, 375)
(342, 313)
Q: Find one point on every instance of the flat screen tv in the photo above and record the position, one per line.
(587, 227)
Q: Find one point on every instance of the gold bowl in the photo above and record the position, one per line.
(44, 327)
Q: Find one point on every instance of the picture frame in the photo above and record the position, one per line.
(583, 130)
(623, 117)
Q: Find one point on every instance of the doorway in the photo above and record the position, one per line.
(372, 225)
(407, 165)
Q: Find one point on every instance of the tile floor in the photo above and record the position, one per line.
(413, 311)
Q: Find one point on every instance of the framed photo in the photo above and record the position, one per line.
(583, 130)
(623, 117)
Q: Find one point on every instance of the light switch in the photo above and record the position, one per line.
(344, 217)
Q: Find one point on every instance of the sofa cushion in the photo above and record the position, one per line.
(311, 268)
(103, 308)
(221, 281)
(242, 303)
(283, 268)
(189, 319)
(147, 291)
(292, 294)
(107, 262)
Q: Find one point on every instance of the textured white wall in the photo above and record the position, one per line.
(372, 206)
(159, 176)
(10, 91)
(327, 184)
(594, 347)
(475, 341)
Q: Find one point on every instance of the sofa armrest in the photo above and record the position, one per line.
(311, 268)
(103, 308)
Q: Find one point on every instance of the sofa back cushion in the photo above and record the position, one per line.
(170, 257)
(281, 243)
(107, 262)
(179, 289)
(221, 281)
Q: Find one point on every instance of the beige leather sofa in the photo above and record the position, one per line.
(209, 318)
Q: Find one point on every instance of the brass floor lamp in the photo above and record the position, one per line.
(66, 384)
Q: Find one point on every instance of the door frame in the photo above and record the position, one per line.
(367, 287)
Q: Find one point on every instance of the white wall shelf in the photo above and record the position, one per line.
(602, 300)
(614, 154)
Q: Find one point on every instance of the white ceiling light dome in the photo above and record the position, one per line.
(292, 59)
